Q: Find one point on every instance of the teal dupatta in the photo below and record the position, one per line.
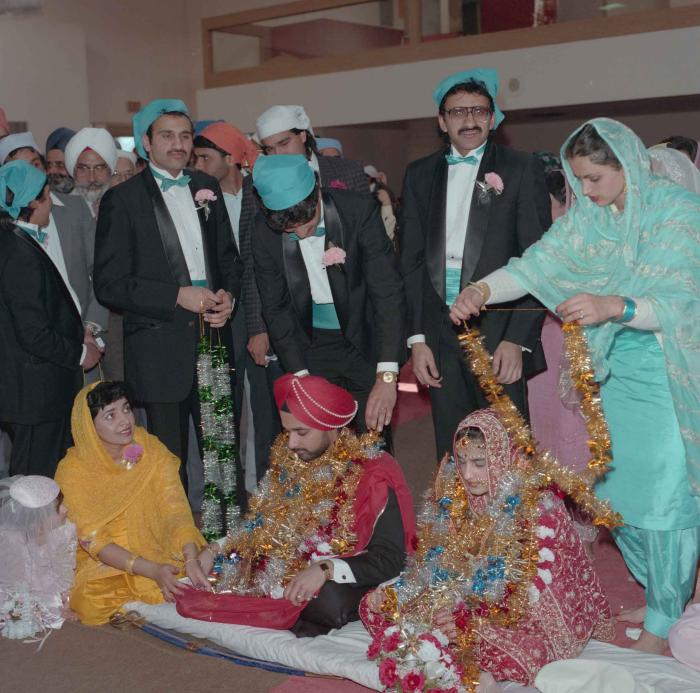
(651, 250)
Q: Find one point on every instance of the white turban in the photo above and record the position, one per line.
(97, 139)
(280, 118)
(127, 155)
(11, 142)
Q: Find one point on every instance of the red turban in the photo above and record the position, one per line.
(233, 141)
(315, 402)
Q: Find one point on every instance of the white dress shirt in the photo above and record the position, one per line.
(233, 207)
(460, 189)
(185, 217)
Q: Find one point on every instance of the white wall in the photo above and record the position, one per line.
(43, 74)
(640, 66)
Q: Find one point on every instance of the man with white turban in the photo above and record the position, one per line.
(91, 158)
(285, 130)
(21, 145)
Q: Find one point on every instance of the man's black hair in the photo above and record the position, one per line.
(204, 143)
(682, 144)
(106, 393)
(471, 86)
(300, 213)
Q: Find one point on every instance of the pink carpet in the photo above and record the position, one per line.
(413, 401)
(621, 592)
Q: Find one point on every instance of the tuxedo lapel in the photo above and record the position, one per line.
(479, 212)
(297, 280)
(337, 275)
(168, 233)
(194, 188)
(436, 235)
(66, 292)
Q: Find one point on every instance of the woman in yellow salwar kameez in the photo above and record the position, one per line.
(135, 528)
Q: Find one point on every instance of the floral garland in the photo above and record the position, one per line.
(493, 565)
(220, 505)
(301, 510)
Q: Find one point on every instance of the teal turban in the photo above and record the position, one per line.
(485, 75)
(149, 114)
(24, 181)
(283, 180)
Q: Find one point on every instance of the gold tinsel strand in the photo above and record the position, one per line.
(577, 486)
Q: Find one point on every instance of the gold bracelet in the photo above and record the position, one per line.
(483, 288)
(189, 560)
(129, 565)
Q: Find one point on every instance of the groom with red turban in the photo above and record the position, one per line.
(332, 519)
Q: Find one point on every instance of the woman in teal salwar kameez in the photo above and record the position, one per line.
(625, 263)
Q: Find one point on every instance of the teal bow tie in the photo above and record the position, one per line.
(320, 231)
(167, 183)
(38, 235)
(470, 159)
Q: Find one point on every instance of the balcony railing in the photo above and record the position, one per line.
(309, 37)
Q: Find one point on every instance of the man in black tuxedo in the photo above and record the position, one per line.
(166, 259)
(466, 210)
(42, 341)
(284, 130)
(331, 293)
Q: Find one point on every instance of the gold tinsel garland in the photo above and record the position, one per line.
(295, 500)
(575, 485)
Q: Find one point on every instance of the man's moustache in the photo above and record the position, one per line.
(463, 130)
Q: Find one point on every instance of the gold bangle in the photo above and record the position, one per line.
(483, 288)
(189, 560)
(129, 565)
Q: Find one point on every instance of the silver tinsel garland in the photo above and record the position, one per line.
(220, 507)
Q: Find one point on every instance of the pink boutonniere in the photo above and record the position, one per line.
(338, 185)
(203, 197)
(334, 256)
(491, 185)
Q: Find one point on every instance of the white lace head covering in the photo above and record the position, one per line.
(37, 550)
(676, 166)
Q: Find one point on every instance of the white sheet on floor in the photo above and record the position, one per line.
(342, 652)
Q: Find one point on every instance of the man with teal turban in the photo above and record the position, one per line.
(331, 293)
(165, 257)
(42, 347)
(467, 209)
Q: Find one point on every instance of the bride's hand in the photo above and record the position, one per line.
(375, 599)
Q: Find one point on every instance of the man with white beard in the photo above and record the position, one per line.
(91, 158)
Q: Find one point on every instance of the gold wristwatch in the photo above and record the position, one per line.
(388, 376)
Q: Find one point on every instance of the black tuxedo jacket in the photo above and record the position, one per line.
(41, 334)
(334, 171)
(139, 269)
(367, 289)
(499, 228)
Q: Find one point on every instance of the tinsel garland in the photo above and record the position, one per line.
(220, 505)
(578, 487)
(489, 564)
(301, 509)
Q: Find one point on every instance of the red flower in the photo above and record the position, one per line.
(387, 673)
(374, 649)
(413, 681)
(338, 185)
(391, 642)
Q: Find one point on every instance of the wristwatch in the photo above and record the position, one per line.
(326, 570)
(388, 376)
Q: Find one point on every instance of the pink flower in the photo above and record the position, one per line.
(205, 195)
(387, 673)
(338, 185)
(413, 681)
(374, 649)
(333, 256)
(495, 181)
(391, 642)
(132, 453)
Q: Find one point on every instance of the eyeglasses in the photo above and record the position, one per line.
(463, 112)
(99, 169)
